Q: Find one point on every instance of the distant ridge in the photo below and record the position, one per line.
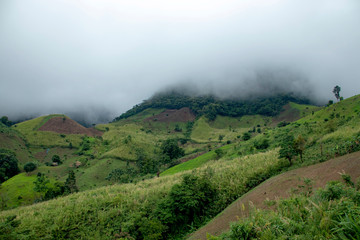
(210, 106)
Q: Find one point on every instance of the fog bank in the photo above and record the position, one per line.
(97, 58)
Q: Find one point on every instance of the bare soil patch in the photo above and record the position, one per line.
(287, 115)
(173, 115)
(280, 187)
(68, 126)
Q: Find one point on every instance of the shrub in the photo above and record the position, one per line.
(187, 202)
(282, 124)
(7, 228)
(177, 128)
(263, 144)
(219, 153)
(56, 159)
(29, 167)
(171, 150)
(246, 136)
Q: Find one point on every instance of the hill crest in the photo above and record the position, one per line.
(64, 125)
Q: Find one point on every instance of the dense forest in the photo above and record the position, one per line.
(210, 106)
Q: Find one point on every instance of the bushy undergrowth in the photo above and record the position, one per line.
(331, 213)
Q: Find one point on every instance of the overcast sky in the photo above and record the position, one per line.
(101, 57)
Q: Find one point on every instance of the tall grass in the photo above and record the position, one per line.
(114, 209)
(332, 213)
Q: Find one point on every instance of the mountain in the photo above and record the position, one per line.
(155, 172)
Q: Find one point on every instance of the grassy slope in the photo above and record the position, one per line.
(43, 138)
(18, 190)
(280, 187)
(94, 212)
(44, 145)
(194, 163)
(328, 132)
(89, 177)
(205, 132)
(12, 140)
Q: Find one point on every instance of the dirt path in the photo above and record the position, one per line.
(279, 187)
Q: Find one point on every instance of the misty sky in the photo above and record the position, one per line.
(101, 57)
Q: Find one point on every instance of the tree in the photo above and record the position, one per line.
(29, 167)
(299, 146)
(336, 91)
(56, 159)
(187, 201)
(145, 164)
(70, 183)
(221, 137)
(171, 150)
(57, 190)
(5, 120)
(189, 127)
(8, 165)
(287, 149)
(41, 183)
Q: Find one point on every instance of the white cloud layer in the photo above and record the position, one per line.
(101, 57)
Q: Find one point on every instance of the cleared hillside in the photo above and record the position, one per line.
(68, 126)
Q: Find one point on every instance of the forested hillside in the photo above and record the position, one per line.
(211, 106)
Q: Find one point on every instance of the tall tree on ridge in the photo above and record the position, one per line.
(336, 91)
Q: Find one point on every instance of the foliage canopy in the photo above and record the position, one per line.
(8, 165)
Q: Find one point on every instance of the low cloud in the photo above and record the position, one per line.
(96, 59)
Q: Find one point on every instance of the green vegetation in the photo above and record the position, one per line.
(206, 165)
(5, 120)
(56, 159)
(171, 150)
(17, 191)
(70, 183)
(8, 165)
(211, 106)
(35, 138)
(331, 213)
(29, 167)
(133, 208)
(336, 92)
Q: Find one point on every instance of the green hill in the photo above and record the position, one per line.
(211, 106)
(14, 141)
(223, 158)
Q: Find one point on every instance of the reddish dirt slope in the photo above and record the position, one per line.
(279, 187)
(173, 115)
(68, 126)
(288, 115)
